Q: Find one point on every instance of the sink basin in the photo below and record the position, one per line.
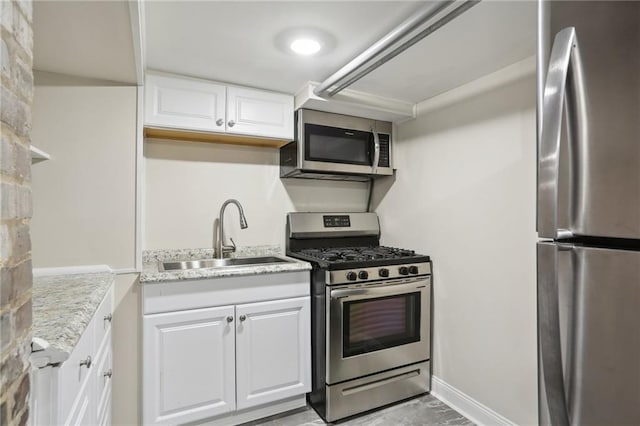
(219, 263)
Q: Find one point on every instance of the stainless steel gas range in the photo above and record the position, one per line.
(370, 310)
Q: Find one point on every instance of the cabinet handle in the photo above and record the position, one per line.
(108, 317)
(86, 362)
(108, 374)
(243, 317)
(231, 123)
(229, 319)
(219, 122)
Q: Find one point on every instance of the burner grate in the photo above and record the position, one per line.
(362, 254)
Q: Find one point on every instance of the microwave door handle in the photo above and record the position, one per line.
(563, 62)
(376, 151)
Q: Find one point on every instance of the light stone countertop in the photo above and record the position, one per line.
(64, 304)
(151, 258)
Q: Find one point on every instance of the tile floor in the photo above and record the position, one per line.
(421, 411)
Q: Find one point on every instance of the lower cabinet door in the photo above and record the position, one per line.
(103, 373)
(83, 409)
(273, 351)
(188, 371)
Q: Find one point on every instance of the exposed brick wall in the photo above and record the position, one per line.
(16, 92)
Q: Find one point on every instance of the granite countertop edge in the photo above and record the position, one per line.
(151, 258)
(63, 306)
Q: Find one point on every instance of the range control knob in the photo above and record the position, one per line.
(351, 276)
(363, 275)
(403, 270)
(413, 269)
(383, 272)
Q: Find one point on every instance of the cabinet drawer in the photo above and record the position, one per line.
(103, 374)
(73, 380)
(102, 319)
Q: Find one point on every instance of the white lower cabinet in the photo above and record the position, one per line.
(83, 411)
(273, 347)
(102, 377)
(78, 392)
(189, 369)
(225, 364)
(85, 378)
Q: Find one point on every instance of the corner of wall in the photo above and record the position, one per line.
(16, 50)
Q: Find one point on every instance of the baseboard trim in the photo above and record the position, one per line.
(257, 413)
(475, 411)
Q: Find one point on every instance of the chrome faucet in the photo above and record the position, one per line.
(221, 248)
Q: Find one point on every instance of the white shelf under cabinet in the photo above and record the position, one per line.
(38, 155)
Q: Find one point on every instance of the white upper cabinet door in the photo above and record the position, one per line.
(273, 352)
(259, 113)
(188, 371)
(184, 103)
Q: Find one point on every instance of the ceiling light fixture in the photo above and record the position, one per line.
(304, 42)
(305, 46)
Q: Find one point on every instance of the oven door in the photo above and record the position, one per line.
(377, 327)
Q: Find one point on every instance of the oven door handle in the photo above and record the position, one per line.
(377, 291)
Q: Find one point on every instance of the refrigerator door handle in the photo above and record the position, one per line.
(550, 352)
(564, 67)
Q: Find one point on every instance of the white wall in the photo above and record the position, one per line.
(127, 349)
(84, 197)
(465, 194)
(187, 182)
(84, 203)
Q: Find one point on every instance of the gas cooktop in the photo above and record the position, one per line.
(354, 257)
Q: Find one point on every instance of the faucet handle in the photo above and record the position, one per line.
(233, 244)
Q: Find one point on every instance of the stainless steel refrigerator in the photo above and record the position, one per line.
(589, 212)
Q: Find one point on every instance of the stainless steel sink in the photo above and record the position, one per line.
(234, 262)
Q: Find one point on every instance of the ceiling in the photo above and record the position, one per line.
(89, 39)
(237, 41)
(240, 42)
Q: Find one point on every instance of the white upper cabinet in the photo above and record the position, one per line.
(259, 113)
(181, 103)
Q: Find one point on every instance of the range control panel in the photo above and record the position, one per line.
(336, 221)
(377, 273)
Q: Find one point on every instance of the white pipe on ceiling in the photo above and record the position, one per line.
(427, 20)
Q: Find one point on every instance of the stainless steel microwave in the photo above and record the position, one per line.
(338, 147)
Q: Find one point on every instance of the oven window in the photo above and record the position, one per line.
(380, 323)
(337, 145)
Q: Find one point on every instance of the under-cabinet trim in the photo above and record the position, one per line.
(210, 137)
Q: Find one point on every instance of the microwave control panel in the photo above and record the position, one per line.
(384, 150)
